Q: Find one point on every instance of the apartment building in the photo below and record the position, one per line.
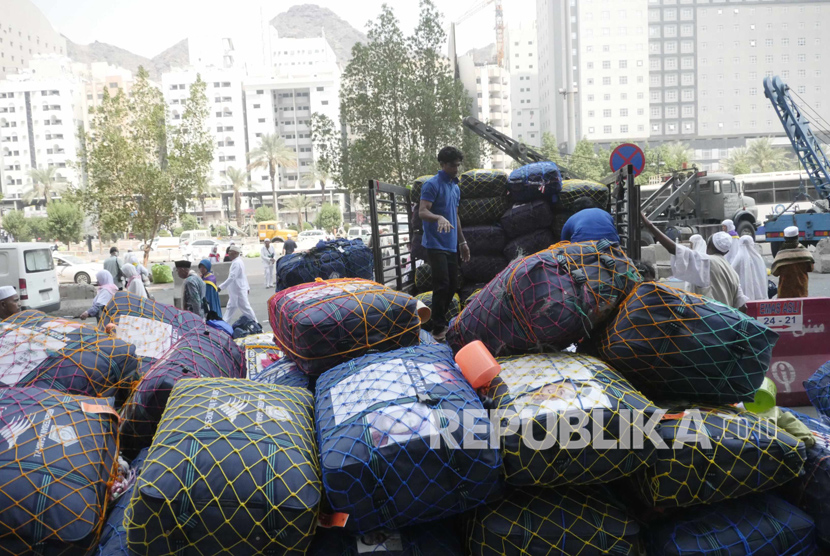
(25, 33)
(522, 60)
(489, 85)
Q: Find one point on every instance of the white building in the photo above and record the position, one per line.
(25, 33)
(489, 86)
(522, 59)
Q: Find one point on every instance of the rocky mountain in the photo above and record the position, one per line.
(484, 55)
(307, 21)
(176, 55)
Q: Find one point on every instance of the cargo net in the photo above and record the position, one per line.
(528, 244)
(576, 189)
(714, 454)
(483, 268)
(260, 351)
(818, 389)
(439, 538)
(544, 396)
(566, 520)
(525, 218)
(547, 301)
(114, 535)
(233, 469)
(417, 185)
(423, 278)
(681, 346)
(539, 180)
(478, 212)
(339, 258)
(57, 460)
(758, 524)
(476, 184)
(484, 240)
(403, 439)
(452, 310)
(283, 372)
(49, 352)
(325, 323)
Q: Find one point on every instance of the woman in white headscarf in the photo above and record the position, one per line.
(106, 289)
(132, 259)
(751, 269)
(698, 245)
(134, 283)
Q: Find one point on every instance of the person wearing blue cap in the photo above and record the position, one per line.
(213, 307)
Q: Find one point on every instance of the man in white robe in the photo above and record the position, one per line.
(268, 256)
(237, 288)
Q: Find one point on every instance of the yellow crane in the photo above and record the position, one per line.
(477, 7)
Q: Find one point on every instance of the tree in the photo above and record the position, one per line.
(737, 162)
(39, 227)
(584, 161)
(65, 221)
(329, 217)
(676, 155)
(189, 222)
(238, 179)
(16, 225)
(264, 214)
(764, 157)
(271, 154)
(43, 181)
(328, 148)
(299, 204)
(550, 148)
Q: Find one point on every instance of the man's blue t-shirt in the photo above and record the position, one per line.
(590, 225)
(443, 192)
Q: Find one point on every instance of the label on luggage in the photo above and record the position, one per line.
(400, 423)
(151, 338)
(328, 521)
(22, 350)
(379, 541)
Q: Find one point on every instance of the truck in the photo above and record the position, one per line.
(814, 222)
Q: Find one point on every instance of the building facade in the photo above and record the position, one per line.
(522, 59)
(25, 33)
(489, 86)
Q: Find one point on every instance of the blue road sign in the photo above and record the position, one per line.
(628, 153)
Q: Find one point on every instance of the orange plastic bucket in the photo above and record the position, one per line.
(477, 363)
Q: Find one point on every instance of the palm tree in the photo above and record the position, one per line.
(677, 154)
(208, 190)
(737, 162)
(272, 153)
(764, 157)
(298, 204)
(43, 180)
(238, 179)
(314, 175)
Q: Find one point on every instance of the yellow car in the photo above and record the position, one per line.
(271, 230)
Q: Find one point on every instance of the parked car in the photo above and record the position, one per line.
(73, 270)
(30, 269)
(309, 238)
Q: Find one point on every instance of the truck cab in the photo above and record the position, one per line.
(721, 198)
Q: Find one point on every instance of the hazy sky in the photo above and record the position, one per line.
(147, 27)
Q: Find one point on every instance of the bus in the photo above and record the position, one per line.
(775, 191)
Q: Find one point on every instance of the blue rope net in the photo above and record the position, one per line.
(539, 180)
(818, 389)
(283, 372)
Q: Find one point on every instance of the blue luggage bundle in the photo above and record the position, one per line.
(818, 389)
(404, 439)
(430, 538)
(339, 258)
(482, 212)
(524, 218)
(539, 180)
(528, 244)
(484, 240)
(114, 536)
(283, 372)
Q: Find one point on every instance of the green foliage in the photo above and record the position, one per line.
(584, 162)
(328, 147)
(299, 204)
(738, 162)
(263, 214)
(43, 185)
(238, 179)
(189, 222)
(39, 227)
(329, 217)
(165, 233)
(764, 157)
(177, 231)
(307, 226)
(550, 148)
(271, 154)
(65, 221)
(16, 224)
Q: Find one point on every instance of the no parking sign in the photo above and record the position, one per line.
(628, 153)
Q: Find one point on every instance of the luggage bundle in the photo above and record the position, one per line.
(233, 468)
(339, 258)
(283, 372)
(432, 538)
(572, 190)
(480, 184)
(114, 536)
(260, 351)
(818, 389)
(539, 180)
(485, 240)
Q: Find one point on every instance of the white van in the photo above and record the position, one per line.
(29, 268)
(190, 235)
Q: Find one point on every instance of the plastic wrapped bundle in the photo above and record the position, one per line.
(432, 538)
(114, 536)
(150, 326)
(546, 301)
(323, 324)
(714, 454)
(482, 212)
(755, 525)
(575, 189)
(477, 184)
(818, 389)
(260, 351)
(538, 393)
(233, 469)
(204, 354)
(415, 190)
(540, 180)
(526, 218)
(484, 240)
(528, 244)
(283, 372)
(49, 352)
(671, 343)
(483, 269)
(57, 456)
(339, 258)
(403, 439)
(574, 521)
(452, 311)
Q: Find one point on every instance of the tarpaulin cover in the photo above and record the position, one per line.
(475, 184)
(436, 538)
(818, 389)
(755, 525)
(524, 218)
(545, 395)
(57, 457)
(338, 258)
(415, 193)
(233, 469)
(575, 189)
(260, 351)
(546, 301)
(323, 324)
(150, 326)
(674, 344)
(282, 372)
(528, 244)
(206, 354)
(484, 240)
(49, 352)
(114, 536)
(391, 428)
(540, 180)
(480, 212)
(483, 268)
(572, 521)
(719, 453)
(452, 310)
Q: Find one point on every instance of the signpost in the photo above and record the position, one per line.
(628, 153)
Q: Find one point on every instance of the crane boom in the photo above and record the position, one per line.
(806, 145)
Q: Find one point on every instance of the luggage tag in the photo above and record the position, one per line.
(335, 519)
(98, 409)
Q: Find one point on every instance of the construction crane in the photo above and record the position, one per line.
(477, 7)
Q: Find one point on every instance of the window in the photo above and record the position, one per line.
(802, 89)
(256, 105)
(606, 64)
(802, 41)
(261, 120)
(767, 42)
(623, 80)
(768, 58)
(606, 113)
(591, 113)
(785, 58)
(753, 59)
(590, 98)
(656, 112)
(606, 80)
(38, 260)
(623, 64)
(606, 129)
(623, 112)
(802, 57)
(785, 41)
(623, 96)
(623, 129)
(688, 94)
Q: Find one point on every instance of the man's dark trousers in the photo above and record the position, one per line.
(444, 267)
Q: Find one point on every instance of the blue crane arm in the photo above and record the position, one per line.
(805, 144)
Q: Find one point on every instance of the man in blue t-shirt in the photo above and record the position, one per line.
(443, 238)
(589, 223)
